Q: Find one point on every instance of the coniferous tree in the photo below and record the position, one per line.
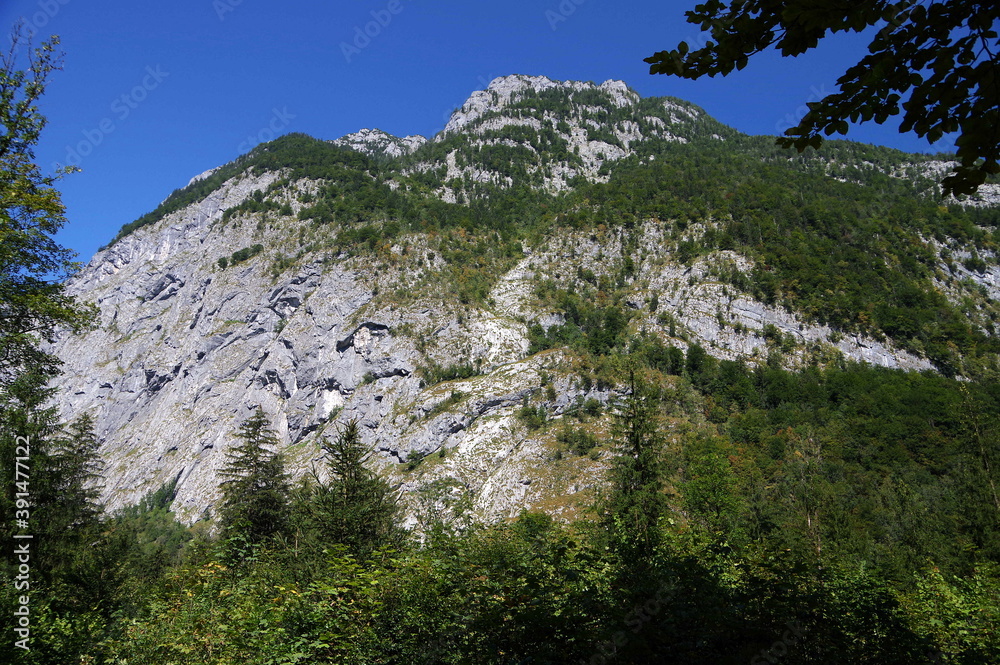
(636, 501)
(54, 500)
(255, 490)
(355, 507)
(79, 471)
(60, 471)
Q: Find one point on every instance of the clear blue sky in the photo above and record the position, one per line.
(156, 92)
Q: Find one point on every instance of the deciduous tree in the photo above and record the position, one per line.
(936, 62)
(33, 300)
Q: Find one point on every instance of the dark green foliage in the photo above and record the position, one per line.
(414, 459)
(76, 473)
(774, 548)
(255, 489)
(531, 416)
(61, 472)
(246, 253)
(698, 365)
(577, 441)
(589, 327)
(710, 485)
(940, 59)
(355, 508)
(653, 354)
(305, 156)
(255, 203)
(843, 254)
(866, 464)
(434, 374)
(159, 539)
(636, 502)
(74, 579)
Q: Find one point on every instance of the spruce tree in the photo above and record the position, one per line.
(79, 471)
(355, 508)
(255, 490)
(636, 502)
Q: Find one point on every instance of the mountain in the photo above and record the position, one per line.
(468, 298)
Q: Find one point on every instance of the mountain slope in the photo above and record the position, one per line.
(463, 296)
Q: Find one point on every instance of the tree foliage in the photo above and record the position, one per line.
(255, 488)
(937, 63)
(355, 507)
(636, 502)
(33, 300)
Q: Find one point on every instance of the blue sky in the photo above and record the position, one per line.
(155, 93)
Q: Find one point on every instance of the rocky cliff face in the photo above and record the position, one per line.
(566, 129)
(377, 143)
(188, 345)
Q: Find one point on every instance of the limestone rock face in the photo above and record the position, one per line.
(185, 351)
(376, 143)
(580, 124)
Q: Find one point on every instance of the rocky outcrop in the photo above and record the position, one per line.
(186, 350)
(589, 141)
(376, 143)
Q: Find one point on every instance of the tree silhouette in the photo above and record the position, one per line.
(355, 507)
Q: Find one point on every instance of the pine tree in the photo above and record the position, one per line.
(356, 507)
(255, 490)
(79, 471)
(72, 575)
